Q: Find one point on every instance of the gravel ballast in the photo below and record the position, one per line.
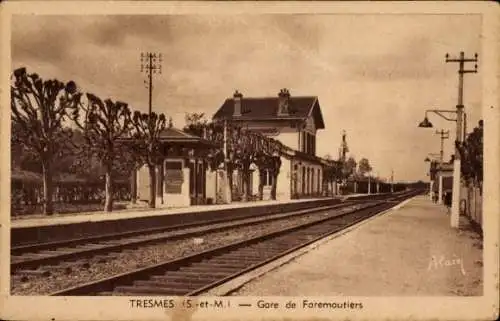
(100, 267)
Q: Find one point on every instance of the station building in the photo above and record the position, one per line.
(441, 180)
(292, 120)
(181, 173)
(183, 177)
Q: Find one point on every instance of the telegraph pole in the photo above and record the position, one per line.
(455, 206)
(443, 135)
(342, 155)
(392, 181)
(150, 64)
(228, 187)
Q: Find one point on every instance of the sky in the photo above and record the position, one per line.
(374, 75)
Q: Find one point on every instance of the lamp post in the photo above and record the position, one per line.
(432, 167)
(460, 117)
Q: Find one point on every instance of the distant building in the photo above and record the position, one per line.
(442, 179)
(294, 121)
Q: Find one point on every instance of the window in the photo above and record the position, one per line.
(268, 178)
(303, 147)
(307, 142)
(319, 181)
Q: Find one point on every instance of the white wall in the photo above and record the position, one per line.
(289, 138)
(143, 183)
(210, 185)
(286, 134)
(284, 180)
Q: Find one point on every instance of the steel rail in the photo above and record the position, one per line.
(182, 265)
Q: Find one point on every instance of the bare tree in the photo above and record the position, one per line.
(103, 124)
(147, 129)
(39, 108)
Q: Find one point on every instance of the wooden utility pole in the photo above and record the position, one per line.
(150, 64)
(392, 181)
(455, 206)
(443, 135)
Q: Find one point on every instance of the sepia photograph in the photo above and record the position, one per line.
(232, 158)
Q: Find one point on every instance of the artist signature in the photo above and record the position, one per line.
(441, 262)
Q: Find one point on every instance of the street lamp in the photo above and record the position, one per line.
(425, 123)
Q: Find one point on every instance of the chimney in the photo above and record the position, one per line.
(237, 96)
(284, 99)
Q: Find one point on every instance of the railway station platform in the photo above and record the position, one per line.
(58, 219)
(66, 227)
(410, 250)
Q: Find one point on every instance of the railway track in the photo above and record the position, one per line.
(199, 272)
(28, 258)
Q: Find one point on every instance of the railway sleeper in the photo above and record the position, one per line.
(151, 290)
(173, 280)
(251, 253)
(270, 246)
(224, 260)
(239, 265)
(178, 278)
(273, 248)
(246, 252)
(241, 257)
(207, 271)
(186, 273)
(245, 258)
(222, 264)
(210, 268)
(178, 284)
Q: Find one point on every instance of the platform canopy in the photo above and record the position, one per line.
(173, 139)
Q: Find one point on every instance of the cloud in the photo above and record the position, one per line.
(407, 60)
(374, 74)
(52, 44)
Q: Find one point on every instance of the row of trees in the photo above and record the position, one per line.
(340, 171)
(56, 123)
(471, 154)
(43, 112)
(243, 148)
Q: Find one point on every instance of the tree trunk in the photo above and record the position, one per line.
(108, 202)
(274, 186)
(262, 173)
(245, 175)
(48, 205)
(248, 187)
(152, 185)
(133, 186)
(230, 184)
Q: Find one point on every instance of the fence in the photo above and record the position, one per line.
(27, 197)
(472, 204)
